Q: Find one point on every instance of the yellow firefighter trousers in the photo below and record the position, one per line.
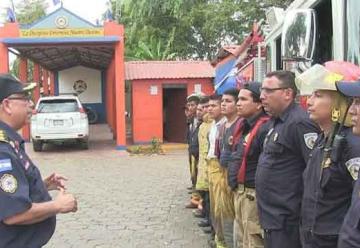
(221, 200)
(247, 230)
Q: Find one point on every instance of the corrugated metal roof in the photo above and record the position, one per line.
(168, 69)
(60, 53)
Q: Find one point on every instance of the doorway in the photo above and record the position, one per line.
(174, 120)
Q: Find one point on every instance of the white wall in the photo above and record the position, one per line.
(91, 77)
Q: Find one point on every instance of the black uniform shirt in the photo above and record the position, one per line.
(253, 155)
(194, 141)
(279, 173)
(327, 191)
(20, 186)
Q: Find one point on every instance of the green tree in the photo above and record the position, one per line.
(28, 11)
(154, 50)
(189, 28)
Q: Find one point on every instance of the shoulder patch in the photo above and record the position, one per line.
(8, 183)
(353, 166)
(3, 136)
(5, 165)
(310, 139)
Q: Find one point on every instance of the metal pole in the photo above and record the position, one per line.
(13, 8)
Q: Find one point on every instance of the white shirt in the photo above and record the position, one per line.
(213, 133)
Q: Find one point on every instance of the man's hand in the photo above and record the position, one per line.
(55, 182)
(65, 202)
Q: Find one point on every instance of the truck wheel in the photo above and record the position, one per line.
(37, 146)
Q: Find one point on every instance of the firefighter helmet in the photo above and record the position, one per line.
(320, 77)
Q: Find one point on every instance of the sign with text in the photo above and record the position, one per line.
(67, 32)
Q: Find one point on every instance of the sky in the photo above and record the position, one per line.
(87, 9)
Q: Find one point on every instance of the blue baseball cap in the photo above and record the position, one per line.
(348, 88)
(254, 87)
(10, 85)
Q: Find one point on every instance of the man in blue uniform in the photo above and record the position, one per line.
(286, 150)
(27, 212)
(349, 236)
(329, 174)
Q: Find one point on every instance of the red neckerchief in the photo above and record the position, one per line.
(253, 132)
(237, 133)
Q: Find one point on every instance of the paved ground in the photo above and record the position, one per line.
(124, 201)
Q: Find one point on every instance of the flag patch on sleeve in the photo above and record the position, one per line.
(5, 165)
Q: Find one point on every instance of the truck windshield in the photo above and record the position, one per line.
(353, 31)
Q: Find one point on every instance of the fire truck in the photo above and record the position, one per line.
(312, 31)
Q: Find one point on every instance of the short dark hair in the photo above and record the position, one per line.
(255, 98)
(232, 92)
(215, 97)
(287, 79)
(204, 99)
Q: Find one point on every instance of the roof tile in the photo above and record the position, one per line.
(168, 69)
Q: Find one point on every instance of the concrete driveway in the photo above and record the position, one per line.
(124, 201)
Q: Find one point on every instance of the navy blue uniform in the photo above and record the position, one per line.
(328, 186)
(349, 236)
(194, 150)
(194, 141)
(279, 184)
(20, 186)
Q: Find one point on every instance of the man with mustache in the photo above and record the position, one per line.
(286, 150)
(27, 212)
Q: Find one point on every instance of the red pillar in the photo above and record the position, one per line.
(107, 92)
(36, 78)
(52, 83)
(110, 107)
(4, 58)
(9, 30)
(107, 106)
(23, 76)
(120, 95)
(111, 28)
(23, 73)
(46, 82)
(113, 95)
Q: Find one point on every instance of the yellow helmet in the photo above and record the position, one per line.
(318, 77)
